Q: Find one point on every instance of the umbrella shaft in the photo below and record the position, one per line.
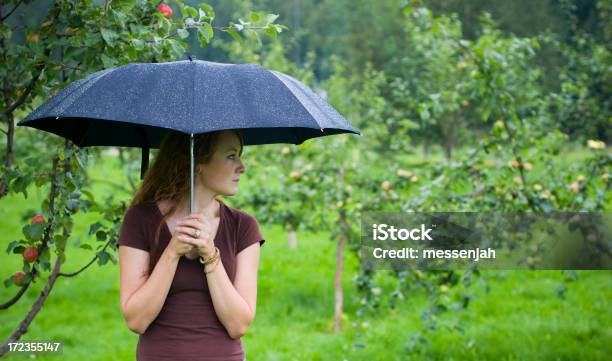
(191, 170)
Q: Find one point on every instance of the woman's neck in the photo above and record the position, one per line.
(208, 206)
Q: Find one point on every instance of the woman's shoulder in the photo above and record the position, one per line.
(245, 227)
(140, 209)
(237, 215)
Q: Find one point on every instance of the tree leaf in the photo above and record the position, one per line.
(271, 17)
(139, 44)
(107, 61)
(176, 47)
(202, 15)
(11, 246)
(101, 235)
(94, 228)
(109, 36)
(102, 258)
(33, 232)
(234, 35)
(202, 38)
(209, 31)
(209, 10)
(183, 33)
(423, 112)
(271, 32)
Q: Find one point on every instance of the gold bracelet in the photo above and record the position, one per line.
(211, 271)
(204, 261)
(210, 259)
(207, 261)
(215, 257)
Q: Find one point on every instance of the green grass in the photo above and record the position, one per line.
(516, 317)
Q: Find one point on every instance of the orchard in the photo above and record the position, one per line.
(458, 113)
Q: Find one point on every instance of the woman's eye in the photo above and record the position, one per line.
(232, 156)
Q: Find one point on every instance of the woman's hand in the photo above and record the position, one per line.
(187, 237)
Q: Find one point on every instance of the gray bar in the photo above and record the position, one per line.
(486, 240)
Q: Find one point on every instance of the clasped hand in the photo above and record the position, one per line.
(186, 233)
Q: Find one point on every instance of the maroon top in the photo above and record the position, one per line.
(187, 327)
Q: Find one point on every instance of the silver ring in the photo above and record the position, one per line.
(197, 233)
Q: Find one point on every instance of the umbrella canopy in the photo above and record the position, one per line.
(137, 104)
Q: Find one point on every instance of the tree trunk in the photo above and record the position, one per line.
(339, 256)
(426, 150)
(338, 282)
(292, 239)
(10, 135)
(449, 127)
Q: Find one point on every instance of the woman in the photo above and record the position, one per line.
(189, 281)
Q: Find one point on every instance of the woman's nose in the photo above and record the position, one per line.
(241, 167)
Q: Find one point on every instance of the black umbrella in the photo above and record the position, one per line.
(137, 104)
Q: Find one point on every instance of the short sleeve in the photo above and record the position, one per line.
(133, 229)
(248, 232)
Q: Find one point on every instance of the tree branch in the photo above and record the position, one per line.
(64, 65)
(219, 28)
(15, 298)
(512, 136)
(10, 12)
(106, 4)
(10, 108)
(72, 274)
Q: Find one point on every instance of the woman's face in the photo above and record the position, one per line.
(222, 173)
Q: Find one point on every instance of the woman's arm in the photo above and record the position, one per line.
(235, 304)
(142, 302)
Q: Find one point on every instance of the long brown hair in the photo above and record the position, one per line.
(168, 177)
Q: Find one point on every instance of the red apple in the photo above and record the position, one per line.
(30, 254)
(38, 218)
(165, 10)
(17, 277)
(575, 187)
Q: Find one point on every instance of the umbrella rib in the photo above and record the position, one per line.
(296, 98)
(86, 132)
(297, 141)
(82, 89)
